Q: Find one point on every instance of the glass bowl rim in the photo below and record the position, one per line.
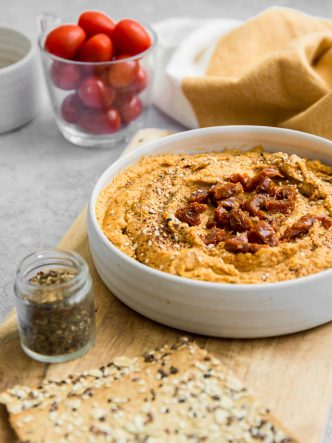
(151, 31)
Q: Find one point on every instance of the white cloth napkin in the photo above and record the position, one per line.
(185, 49)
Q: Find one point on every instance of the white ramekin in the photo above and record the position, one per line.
(19, 80)
(216, 309)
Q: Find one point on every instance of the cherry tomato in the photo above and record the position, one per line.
(65, 41)
(94, 92)
(71, 108)
(98, 48)
(65, 75)
(130, 108)
(129, 37)
(99, 122)
(123, 73)
(95, 22)
(140, 82)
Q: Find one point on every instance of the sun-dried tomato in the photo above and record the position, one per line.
(224, 190)
(187, 216)
(285, 193)
(244, 179)
(271, 172)
(254, 205)
(240, 244)
(326, 222)
(299, 228)
(284, 206)
(239, 220)
(238, 214)
(262, 233)
(215, 236)
(283, 201)
(199, 196)
(267, 173)
(211, 223)
(303, 225)
(222, 217)
(198, 208)
(230, 203)
(265, 185)
(190, 214)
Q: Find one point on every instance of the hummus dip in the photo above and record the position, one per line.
(232, 216)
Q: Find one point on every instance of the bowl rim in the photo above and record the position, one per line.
(148, 149)
(28, 55)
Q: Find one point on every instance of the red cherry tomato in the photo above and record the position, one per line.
(123, 73)
(99, 122)
(65, 41)
(65, 75)
(130, 108)
(140, 82)
(94, 92)
(71, 108)
(129, 37)
(98, 48)
(95, 22)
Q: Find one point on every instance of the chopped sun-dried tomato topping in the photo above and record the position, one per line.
(255, 204)
(303, 225)
(240, 221)
(240, 243)
(248, 211)
(265, 185)
(251, 183)
(244, 179)
(262, 233)
(190, 214)
(199, 196)
(271, 171)
(215, 236)
(230, 203)
(224, 190)
(325, 221)
(211, 223)
(198, 208)
(285, 193)
(221, 216)
(283, 206)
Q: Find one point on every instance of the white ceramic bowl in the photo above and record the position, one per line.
(19, 80)
(216, 309)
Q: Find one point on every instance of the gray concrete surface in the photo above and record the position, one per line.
(45, 181)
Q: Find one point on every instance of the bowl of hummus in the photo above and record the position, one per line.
(223, 231)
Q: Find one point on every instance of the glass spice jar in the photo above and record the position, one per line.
(54, 304)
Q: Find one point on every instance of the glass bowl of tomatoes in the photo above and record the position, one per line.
(99, 76)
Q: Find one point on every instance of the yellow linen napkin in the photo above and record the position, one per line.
(274, 70)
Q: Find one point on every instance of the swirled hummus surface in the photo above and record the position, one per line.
(232, 216)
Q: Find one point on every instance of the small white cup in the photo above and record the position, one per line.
(19, 80)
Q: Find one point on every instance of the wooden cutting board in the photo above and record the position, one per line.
(291, 375)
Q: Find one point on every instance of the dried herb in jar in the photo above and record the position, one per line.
(56, 317)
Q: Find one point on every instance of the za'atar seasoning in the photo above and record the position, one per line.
(54, 304)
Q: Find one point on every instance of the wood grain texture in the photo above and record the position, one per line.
(291, 375)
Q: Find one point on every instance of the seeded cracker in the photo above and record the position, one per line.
(175, 394)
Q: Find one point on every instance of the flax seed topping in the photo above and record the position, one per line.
(181, 394)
